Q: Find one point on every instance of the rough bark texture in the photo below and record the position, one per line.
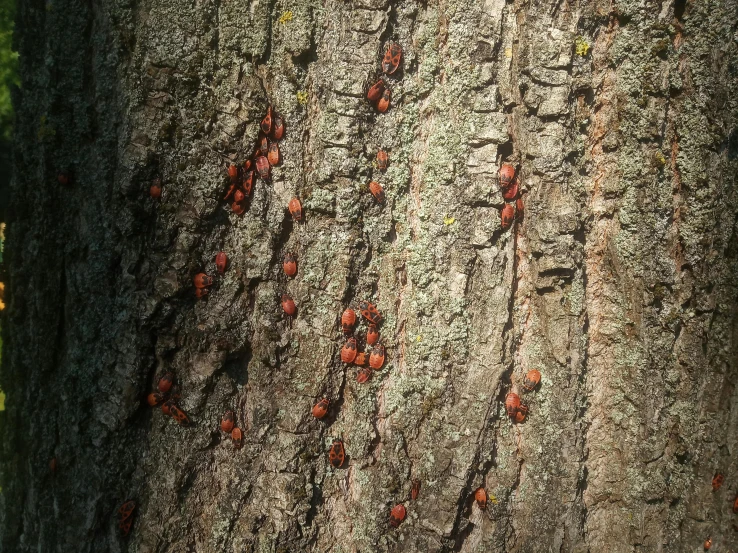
(619, 284)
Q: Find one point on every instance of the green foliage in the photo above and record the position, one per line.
(8, 67)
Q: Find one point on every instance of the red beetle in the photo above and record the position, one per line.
(392, 58)
(277, 128)
(376, 359)
(375, 91)
(237, 437)
(415, 490)
(288, 305)
(289, 265)
(273, 155)
(231, 190)
(512, 402)
(507, 216)
(708, 544)
(155, 398)
(363, 375)
(361, 359)
(238, 196)
(382, 160)
(177, 413)
(233, 173)
(507, 175)
(201, 292)
(126, 509)
(295, 209)
(246, 165)
(519, 209)
(370, 312)
(165, 382)
(397, 515)
(64, 177)
(165, 408)
(221, 260)
(155, 189)
(125, 526)
(377, 191)
(202, 280)
(520, 415)
(348, 351)
(384, 102)
(320, 409)
(262, 145)
(348, 320)
(717, 481)
(735, 505)
(266, 123)
(511, 192)
(226, 423)
(337, 455)
(531, 380)
(263, 167)
(248, 182)
(372, 335)
(481, 496)
(237, 208)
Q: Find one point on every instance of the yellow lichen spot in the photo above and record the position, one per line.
(302, 97)
(508, 52)
(492, 498)
(448, 221)
(418, 338)
(285, 17)
(2, 401)
(581, 46)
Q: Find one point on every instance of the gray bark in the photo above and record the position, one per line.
(618, 285)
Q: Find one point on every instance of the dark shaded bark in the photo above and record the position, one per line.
(618, 284)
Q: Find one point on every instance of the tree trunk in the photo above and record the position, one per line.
(618, 283)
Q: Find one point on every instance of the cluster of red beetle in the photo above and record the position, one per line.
(265, 156)
(379, 93)
(509, 185)
(167, 395)
(351, 354)
(227, 425)
(517, 410)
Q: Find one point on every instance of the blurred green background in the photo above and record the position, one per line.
(8, 79)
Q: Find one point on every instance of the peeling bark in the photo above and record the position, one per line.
(618, 284)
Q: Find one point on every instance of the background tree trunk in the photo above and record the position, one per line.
(619, 284)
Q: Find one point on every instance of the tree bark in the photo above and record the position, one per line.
(618, 284)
